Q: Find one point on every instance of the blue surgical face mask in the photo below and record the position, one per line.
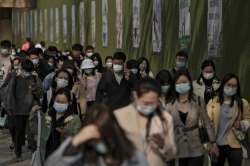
(61, 83)
(134, 71)
(180, 65)
(146, 109)
(229, 91)
(60, 108)
(165, 88)
(183, 88)
(101, 148)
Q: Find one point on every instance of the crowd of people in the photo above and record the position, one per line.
(119, 112)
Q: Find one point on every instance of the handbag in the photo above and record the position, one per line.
(202, 129)
(37, 157)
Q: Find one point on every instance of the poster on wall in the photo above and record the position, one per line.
(184, 23)
(81, 23)
(65, 29)
(51, 26)
(214, 27)
(119, 23)
(136, 23)
(104, 23)
(57, 25)
(35, 24)
(45, 24)
(93, 22)
(73, 24)
(157, 26)
(41, 24)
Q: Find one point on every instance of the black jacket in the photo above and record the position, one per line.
(43, 69)
(110, 92)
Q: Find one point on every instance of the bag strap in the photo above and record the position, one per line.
(39, 130)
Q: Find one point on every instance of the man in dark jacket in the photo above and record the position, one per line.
(41, 66)
(24, 91)
(114, 89)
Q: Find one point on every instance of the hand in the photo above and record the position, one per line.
(87, 133)
(36, 108)
(158, 140)
(215, 149)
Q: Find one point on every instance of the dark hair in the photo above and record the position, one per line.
(97, 56)
(42, 43)
(77, 47)
(177, 75)
(108, 57)
(6, 44)
(182, 53)
(34, 51)
(164, 76)
(27, 65)
(52, 111)
(70, 64)
(70, 84)
(146, 85)
(89, 47)
(140, 60)
(120, 56)
(206, 63)
(237, 97)
(120, 147)
(132, 63)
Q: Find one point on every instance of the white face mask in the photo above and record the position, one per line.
(35, 61)
(62, 83)
(165, 89)
(59, 107)
(88, 71)
(118, 68)
(89, 54)
(208, 76)
(146, 110)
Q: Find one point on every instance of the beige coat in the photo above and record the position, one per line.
(214, 108)
(187, 136)
(135, 127)
(199, 89)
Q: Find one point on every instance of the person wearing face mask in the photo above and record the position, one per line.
(150, 128)
(229, 113)
(108, 63)
(181, 62)
(89, 82)
(100, 142)
(41, 66)
(61, 120)
(114, 89)
(62, 79)
(144, 68)
(164, 78)
(187, 111)
(89, 51)
(207, 84)
(5, 60)
(97, 60)
(24, 90)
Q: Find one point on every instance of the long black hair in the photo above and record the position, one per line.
(119, 146)
(99, 67)
(140, 60)
(237, 97)
(144, 86)
(177, 75)
(163, 77)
